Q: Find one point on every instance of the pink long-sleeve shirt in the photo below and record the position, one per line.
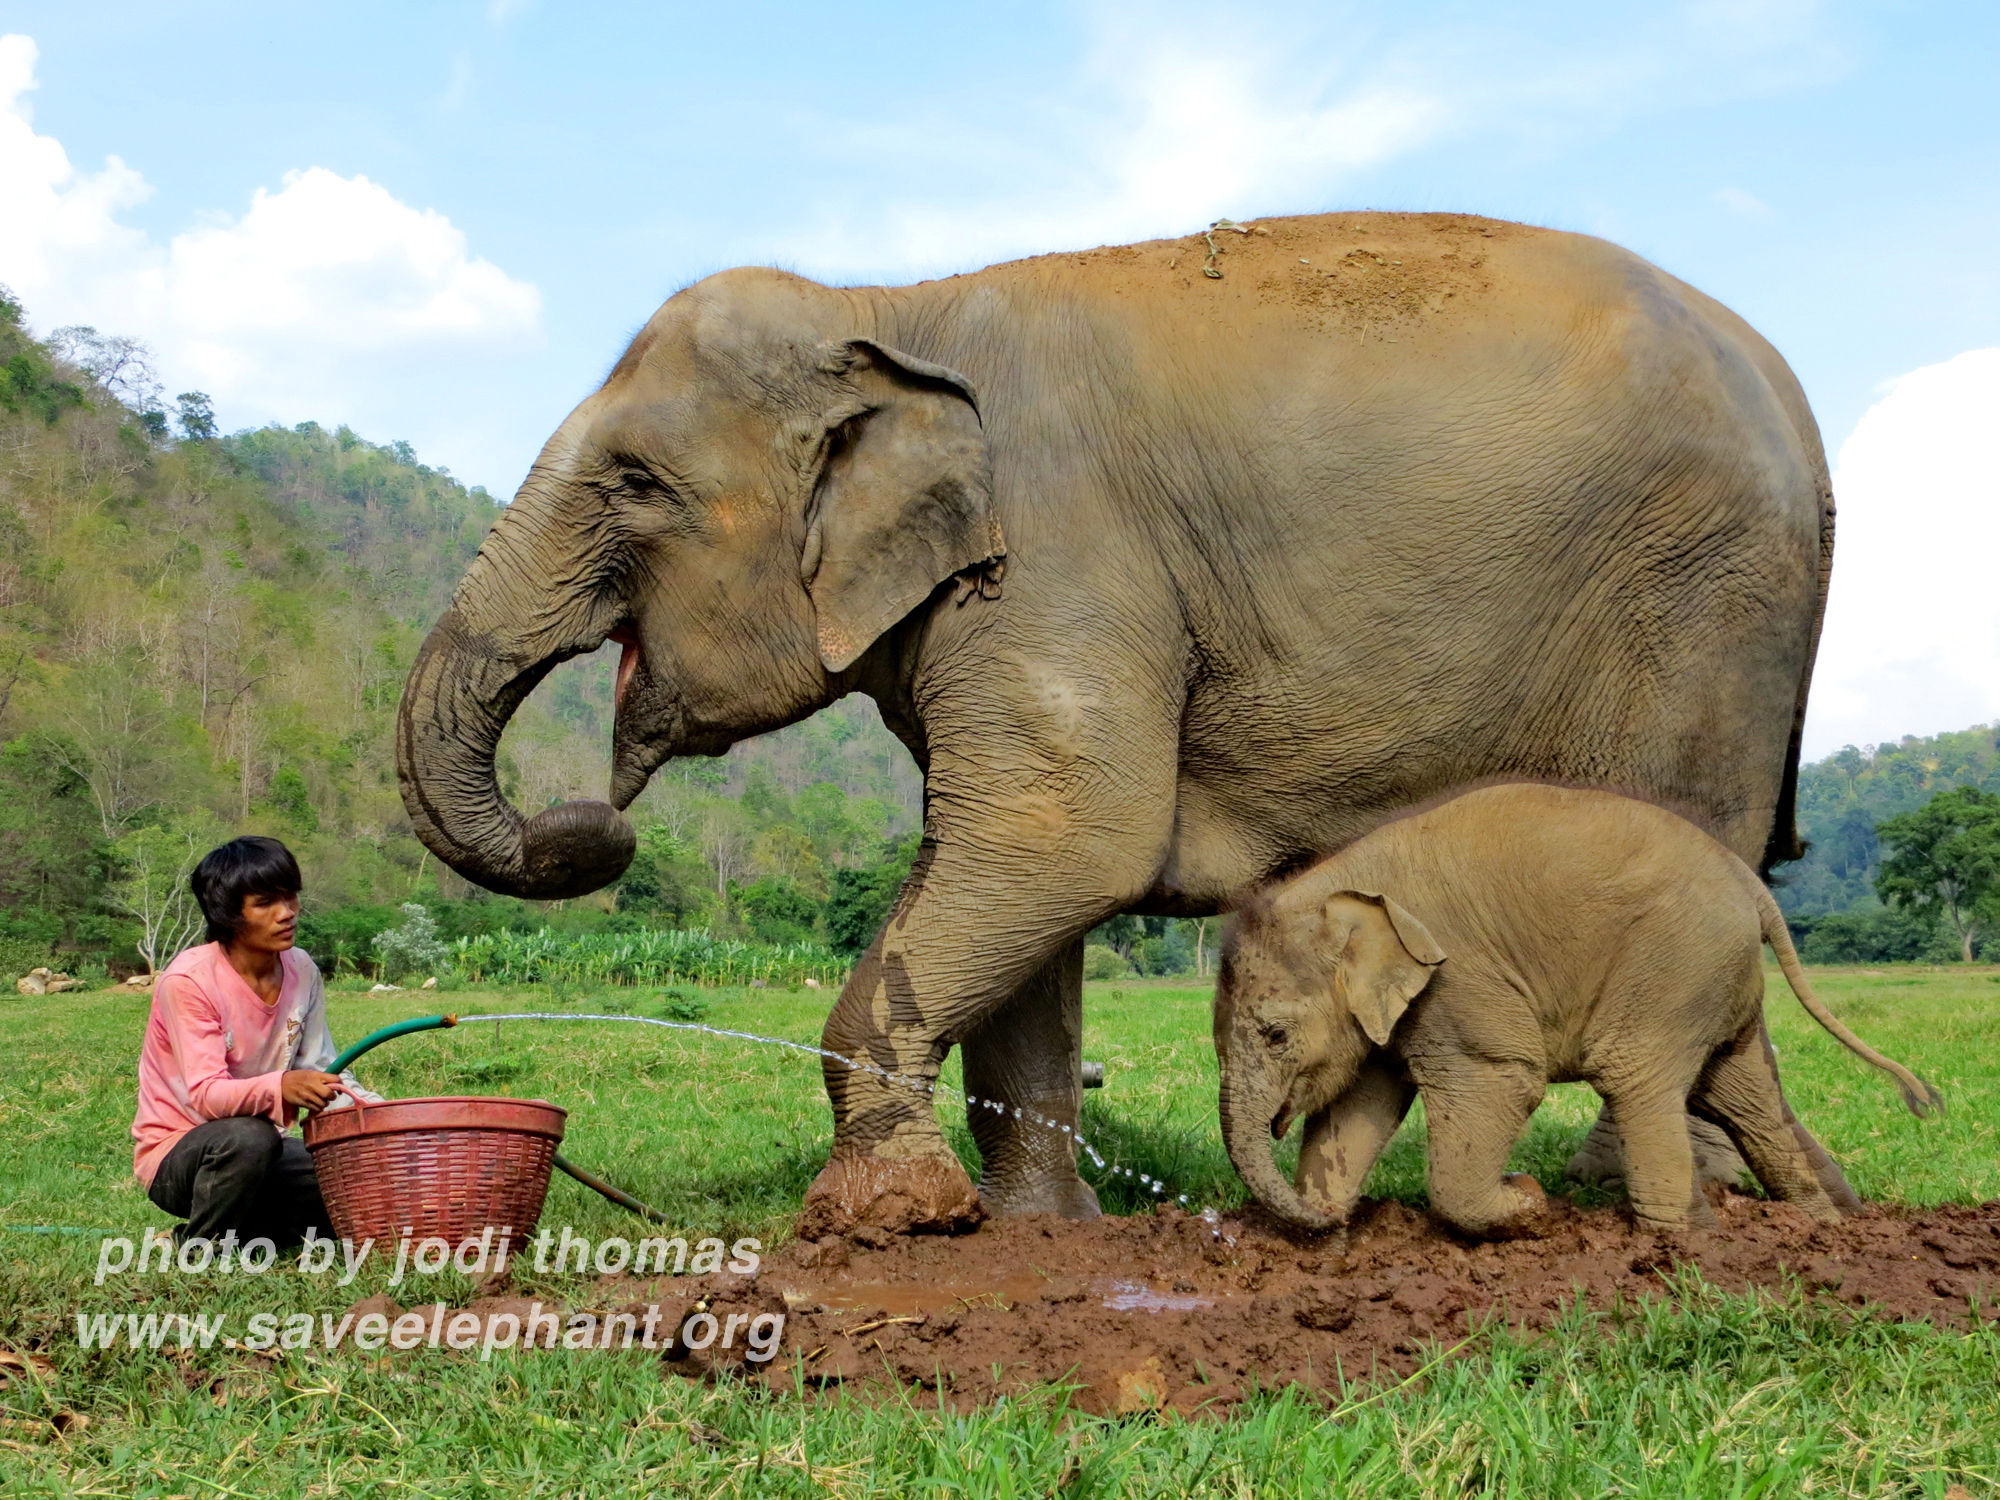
(213, 1049)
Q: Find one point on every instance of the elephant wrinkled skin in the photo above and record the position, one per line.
(1168, 582)
(1476, 951)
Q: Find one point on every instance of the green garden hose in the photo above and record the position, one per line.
(433, 1023)
(375, 1039)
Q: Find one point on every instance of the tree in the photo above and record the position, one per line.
(777, 911)
(197, 416)
(1945, 857)
(122, 366)
(725, 840)
(783, 853)
(1122, 934)
(29, 384)
(1200, 925)
(118, 736)
(154, 865)
(289, 797)
(51, 854)
(860, 900)
(666, 877)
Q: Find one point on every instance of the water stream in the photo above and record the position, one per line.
(901, 1080)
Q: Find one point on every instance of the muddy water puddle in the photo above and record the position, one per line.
(924, 1298)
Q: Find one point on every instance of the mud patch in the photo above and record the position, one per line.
(1172, 1311)
(1176, 1312)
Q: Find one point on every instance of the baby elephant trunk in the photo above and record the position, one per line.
(1247, 1117)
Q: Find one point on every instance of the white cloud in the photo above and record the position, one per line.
(57, 225)
(328, 298)
(1179, 113)
(1161, 133)
(1912, 639)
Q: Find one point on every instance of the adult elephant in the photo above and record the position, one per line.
(1169, 579)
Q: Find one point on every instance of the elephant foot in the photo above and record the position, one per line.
(1067, 1196)
(1518, 1209)
(1531, 1219)
(926, 1194)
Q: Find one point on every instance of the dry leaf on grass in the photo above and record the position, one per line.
(28, 1364)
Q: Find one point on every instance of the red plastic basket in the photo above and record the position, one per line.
(445, 1167)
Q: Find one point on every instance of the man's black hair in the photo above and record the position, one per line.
(249, 866)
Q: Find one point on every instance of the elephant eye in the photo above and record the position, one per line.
(1277, 1034)
(627, 477)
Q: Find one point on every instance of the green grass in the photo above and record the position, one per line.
(1727, 1396)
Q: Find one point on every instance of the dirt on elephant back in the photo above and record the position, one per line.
(1174, 1311)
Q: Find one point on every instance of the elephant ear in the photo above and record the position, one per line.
(1385, 958)
(903, 501)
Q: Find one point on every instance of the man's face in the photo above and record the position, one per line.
(269, 922)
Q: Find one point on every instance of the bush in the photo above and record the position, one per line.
(413, 948)
(1100, 962)
(20, 954)
(681, 1004)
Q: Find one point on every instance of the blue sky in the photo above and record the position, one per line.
(465, 210)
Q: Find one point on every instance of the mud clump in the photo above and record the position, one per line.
(1175, 1312)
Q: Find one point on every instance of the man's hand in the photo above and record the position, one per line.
(307, 1089)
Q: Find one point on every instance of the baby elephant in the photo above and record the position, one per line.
(1477, 951)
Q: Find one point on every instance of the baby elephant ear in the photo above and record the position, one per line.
(1384, 958)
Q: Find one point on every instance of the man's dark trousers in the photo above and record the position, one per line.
(239, 1173)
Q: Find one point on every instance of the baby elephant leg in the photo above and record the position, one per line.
(1477, 1111)
(1343, 1140)
(1659, 1161)
(1600, 1160)
(1739, 1092)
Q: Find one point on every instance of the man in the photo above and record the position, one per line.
(236, 1045)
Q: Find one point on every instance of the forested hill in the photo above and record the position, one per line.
(208, 633)
(1843, 797)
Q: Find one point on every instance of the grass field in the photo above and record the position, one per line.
(1729, 1396)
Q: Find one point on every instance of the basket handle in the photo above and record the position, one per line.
(360, 1105)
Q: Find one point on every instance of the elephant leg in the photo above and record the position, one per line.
(1023, 1067)
(1659, 1158)
(1477, 1110)
(968, 939)
(1600, 1160)
(1041, 818)
(1824, 1167)
(1343, 1140)
(1739, 1092)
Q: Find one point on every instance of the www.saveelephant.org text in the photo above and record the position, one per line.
(437, 1328)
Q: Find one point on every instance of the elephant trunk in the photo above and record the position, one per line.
(468, 680)
(1246, 1131)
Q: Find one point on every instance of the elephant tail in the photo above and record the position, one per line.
(1922, 1099)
